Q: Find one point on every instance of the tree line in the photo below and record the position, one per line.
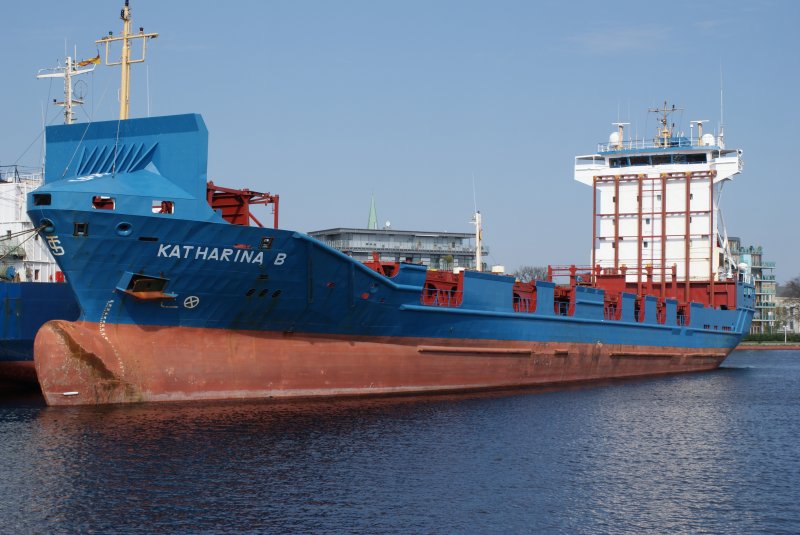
(790, 288)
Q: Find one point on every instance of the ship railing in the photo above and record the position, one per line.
(441, 298)
(748, 250)
(16, 173)
(572, 275)
(338, 244)
(524, 304)
(635, 144)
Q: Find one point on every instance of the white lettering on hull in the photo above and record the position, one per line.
(218, 254)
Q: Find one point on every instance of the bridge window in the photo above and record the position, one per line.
(163, 207)
(696, 158)
(618, 162)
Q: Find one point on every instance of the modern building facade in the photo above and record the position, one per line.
(765, 319)
(437, 250)
(787, 310)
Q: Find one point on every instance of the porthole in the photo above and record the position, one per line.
(124, 229)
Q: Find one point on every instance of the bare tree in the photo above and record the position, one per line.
(791, 288)
(530, 273)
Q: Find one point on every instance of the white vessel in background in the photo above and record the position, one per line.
(24, 257)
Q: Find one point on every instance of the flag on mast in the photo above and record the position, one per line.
(95, 60)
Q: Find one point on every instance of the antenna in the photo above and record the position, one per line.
(147, 78)
(476, 220)
(474, 195)
(44, 124)
(125, 61)
(664, 132)
(721, 141)
(70, 69)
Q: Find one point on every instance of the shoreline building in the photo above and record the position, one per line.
(787, 311)
(765, 319)
(437, 250)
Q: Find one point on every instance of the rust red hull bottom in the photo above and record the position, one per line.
(84, 363)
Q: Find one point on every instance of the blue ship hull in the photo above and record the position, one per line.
(269, 312)
(318, 290)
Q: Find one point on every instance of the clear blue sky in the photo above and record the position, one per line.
(328, 102)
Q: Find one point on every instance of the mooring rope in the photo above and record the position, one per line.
(33, 232)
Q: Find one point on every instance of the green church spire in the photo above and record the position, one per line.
(372, 224)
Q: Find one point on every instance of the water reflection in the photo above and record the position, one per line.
(706, 452)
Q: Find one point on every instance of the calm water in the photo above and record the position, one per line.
(708, 453)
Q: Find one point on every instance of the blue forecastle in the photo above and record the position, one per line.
(134, 159)
(129, 263)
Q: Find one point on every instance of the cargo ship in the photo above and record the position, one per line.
(32, 287)
(184, 295)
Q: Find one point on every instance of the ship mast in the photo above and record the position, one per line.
(476, 219)
(125, 59)
(664, 132)
(70, 69)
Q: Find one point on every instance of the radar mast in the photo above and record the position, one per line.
(125, 60)
(664, 132)
(71, 68)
